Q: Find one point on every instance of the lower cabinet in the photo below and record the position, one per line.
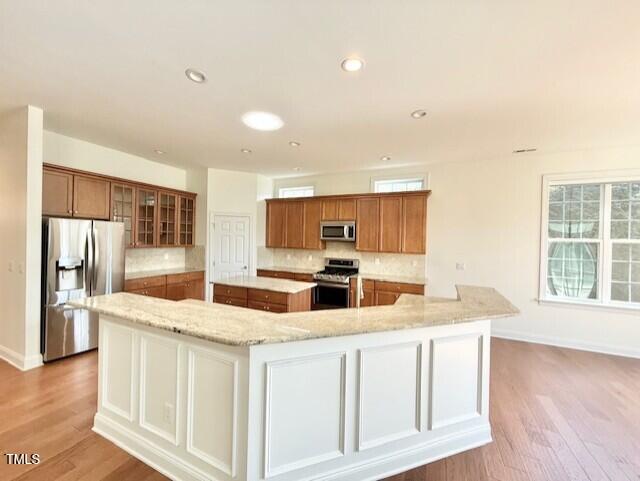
(382, 293)
(261, 299)
(175, 287)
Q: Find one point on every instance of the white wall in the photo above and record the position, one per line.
(487, 215)
(230, 192)
(20, 194)
(78, 154)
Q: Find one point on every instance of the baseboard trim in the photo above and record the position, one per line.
(579, 345)
(147, 452)
(18, 360)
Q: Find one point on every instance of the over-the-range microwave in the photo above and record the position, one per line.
(334, 230)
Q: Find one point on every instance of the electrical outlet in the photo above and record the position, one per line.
(310, 258)
(377, 261)
(414, 263)
(20, 267)
(10, 266)
(168, 413)
(288, 257)
(166, 256)
(460, 266)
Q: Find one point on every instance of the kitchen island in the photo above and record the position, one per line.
(215, 392)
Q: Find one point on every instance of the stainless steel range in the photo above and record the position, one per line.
(333, 283)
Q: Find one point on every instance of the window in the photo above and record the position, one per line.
(591, 241)
(398, 185)
(305, 191)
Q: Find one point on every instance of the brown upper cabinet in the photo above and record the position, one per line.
(389, 222)
(167, 219)
(91, 197)
(123, 209)
(68, 194)
(152, 216)
(414, 224)
(367, 223)
(312, 217)
(186, 219)
(339, 209)
(294, 225)
(57, 193)
(276, 221)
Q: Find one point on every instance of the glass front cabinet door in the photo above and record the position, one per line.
(187, 205)
(167, 219)
(146, 201)
(123, 209)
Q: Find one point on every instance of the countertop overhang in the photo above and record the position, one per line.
(267, 283)
(239, 326)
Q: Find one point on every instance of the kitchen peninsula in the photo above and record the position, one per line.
(205, 391)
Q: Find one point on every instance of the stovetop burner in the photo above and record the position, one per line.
(338, 270)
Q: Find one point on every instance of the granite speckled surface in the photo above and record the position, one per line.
(245, 327)
(268, 283)
(393, 278)
(159, 272)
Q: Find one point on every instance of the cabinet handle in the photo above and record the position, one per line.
(69, 212)
(75, 212)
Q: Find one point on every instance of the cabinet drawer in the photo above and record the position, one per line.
(155, 291)
(230, 291)
(268, 296)
(184, 277)
(231, 301)
(303, 277)
(383, 298)
(400, 287)
(267, 306)
(276, 274)
(144, 282)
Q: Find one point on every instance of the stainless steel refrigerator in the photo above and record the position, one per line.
(80, 258)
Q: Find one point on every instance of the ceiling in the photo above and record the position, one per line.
(493, 75)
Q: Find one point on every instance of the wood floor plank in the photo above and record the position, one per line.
(556, 415)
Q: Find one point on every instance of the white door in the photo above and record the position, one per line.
(231, 242)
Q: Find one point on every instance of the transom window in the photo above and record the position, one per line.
(398, 185)
(304, 191)
(591, 241)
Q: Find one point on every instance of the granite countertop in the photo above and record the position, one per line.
(245, 327)
(159, 272)
(268, 283)
(295, 270)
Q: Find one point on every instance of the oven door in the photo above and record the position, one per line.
(331, 296)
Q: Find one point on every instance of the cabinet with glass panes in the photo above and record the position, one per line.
(123, 209)
(146, 200)
(186, 220)
(167, 219)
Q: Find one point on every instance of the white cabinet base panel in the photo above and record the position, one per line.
(353, 408)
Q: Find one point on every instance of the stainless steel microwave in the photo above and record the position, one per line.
(338, 231)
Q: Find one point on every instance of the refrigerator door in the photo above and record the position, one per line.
(66, 272)
(107, 274)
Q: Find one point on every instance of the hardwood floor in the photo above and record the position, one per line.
(556, 414)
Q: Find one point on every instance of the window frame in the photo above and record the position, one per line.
(604, 240)
(424, 178)
(298, 188)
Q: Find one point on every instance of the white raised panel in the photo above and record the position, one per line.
(159, 386)
(212, 409)
(117, 370)
(455, 388)
(304, 412)
(389, 406)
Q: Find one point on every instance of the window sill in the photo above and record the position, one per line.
(590, 305)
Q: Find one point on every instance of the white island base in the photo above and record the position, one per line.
(357, 407)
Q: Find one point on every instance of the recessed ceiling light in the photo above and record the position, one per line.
(262, 121)
(196, 76)
(524, 151)
(159, 152)
(245, 151)
(293, 143)
(352, 64)
(385, 158)
(418, 114)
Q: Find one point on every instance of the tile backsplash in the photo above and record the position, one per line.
(141, 260)
(409, 265)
